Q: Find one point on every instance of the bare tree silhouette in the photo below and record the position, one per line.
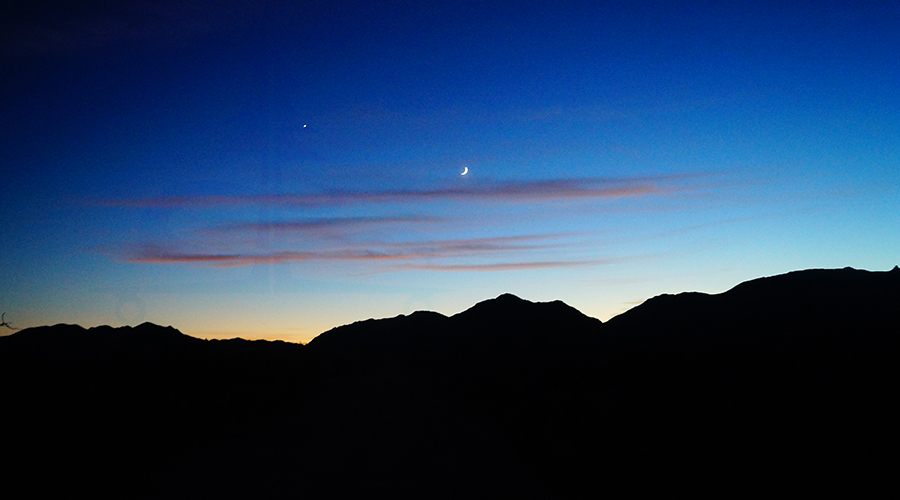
(4, 323)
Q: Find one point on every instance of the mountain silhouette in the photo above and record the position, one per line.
(73, 342)
(504, 327)
(782, 383)
(819, 298)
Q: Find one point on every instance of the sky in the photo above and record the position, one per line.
(264, 169)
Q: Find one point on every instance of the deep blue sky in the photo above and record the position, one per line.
(252, 169)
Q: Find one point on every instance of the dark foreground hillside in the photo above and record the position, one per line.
(781, 384)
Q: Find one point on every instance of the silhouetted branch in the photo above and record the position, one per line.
(4, 323)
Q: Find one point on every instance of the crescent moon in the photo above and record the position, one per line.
(466, 171)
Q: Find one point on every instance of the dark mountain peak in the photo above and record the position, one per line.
(74, 342)
(500, 304)
(682, 295)
(148, 326)
(808, 299)
(64, 329)
(821, 284)
(503, 324)
(507, 307)
(508, 327)
(376, 334)
(663, 310)
(509, 298)
(425, 315)
(145, 330)
(667, 298)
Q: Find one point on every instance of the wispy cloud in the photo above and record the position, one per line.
(173, 256)
(512, 191)
(374, 239)
(442, 248)
(504, 266)
(393, 252)
(305, 225)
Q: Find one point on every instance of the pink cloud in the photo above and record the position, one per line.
(394, 252)
(514, 191)
(496, 243)
(507, 266)
(302, 225)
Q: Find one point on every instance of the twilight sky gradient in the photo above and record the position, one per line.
(245, 168)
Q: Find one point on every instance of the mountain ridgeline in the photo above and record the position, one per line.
(782, 383)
